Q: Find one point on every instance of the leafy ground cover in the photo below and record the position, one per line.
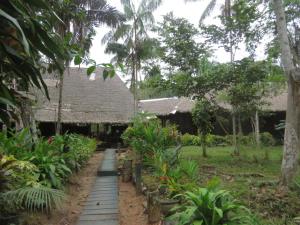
(251, 179)
(33, 174)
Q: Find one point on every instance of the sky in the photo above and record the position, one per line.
(191, 11)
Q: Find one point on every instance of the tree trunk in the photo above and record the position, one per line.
(234, 138)
(28, 119)
(256, 127)
(135, 69)
(291, 135)
(240, 126)
(204, 153)
(292, 124)
(59, 109)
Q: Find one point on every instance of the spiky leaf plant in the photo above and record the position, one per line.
(33, 199)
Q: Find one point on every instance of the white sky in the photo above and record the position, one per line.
(190, 11)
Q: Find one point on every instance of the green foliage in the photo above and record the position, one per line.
(32, 199)
(178, 42)
(203, 116)
(189, 139)
(52, 161)
(216, 140)
(147, 136)
(211, 140)
(267, 139)
(210, 207)
(16, 173)
(27, 38)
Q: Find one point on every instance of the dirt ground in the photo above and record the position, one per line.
(131, 206)
(77, 191)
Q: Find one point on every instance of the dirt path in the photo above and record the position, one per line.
(131, 206)
(77, 191)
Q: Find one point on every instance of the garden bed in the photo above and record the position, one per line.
(77, 190)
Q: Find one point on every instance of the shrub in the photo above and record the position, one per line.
(187, 139)
(210, 207)
(267, 139)
(247, 140)
(216, 140)
(211, 140)
(147, 136)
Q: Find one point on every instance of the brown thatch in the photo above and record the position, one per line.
(166, 106)
(86, 100)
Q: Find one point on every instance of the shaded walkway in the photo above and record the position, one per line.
(101, 207)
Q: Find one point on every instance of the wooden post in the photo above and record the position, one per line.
(127, 171)
(153, 207)
(138, 178)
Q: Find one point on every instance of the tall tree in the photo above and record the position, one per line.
(180, 50)
(80, 17)
(132, 35)
(237, 19)
(291, 67)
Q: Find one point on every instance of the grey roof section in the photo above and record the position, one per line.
(166, 106)
(86, 100)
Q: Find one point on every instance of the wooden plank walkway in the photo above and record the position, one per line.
(101, 207)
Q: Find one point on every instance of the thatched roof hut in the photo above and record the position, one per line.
(86, 99)
(167, 106)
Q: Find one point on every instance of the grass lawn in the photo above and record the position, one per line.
(251, 179)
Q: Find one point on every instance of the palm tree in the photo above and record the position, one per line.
(83, 16)
(133, 34)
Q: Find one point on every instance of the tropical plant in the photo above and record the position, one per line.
(16, 173)
(32, 199)
(147, 136)
(133, 34)
(190, 170)
(204, 206)
(27, 40)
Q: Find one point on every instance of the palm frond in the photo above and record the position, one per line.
(105, 14)
(149, 5)
(209, 8)
(34, 198)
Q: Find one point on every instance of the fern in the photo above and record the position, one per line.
(34, 198)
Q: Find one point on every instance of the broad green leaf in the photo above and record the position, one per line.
(91, 70)
(17, 25)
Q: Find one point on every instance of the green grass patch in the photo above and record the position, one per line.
(251, 178)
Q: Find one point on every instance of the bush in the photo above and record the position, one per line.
(211, 140)
(216, 140)
(267, 139)
(189, 139)
(147, 136)
(54, 159)
(210, 207)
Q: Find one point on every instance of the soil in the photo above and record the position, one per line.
(77, 191)
(131, 206)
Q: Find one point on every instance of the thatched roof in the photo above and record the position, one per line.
(277, 103)
(166, 106)
(86, 100)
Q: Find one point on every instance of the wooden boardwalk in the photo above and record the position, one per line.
(101, 207)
